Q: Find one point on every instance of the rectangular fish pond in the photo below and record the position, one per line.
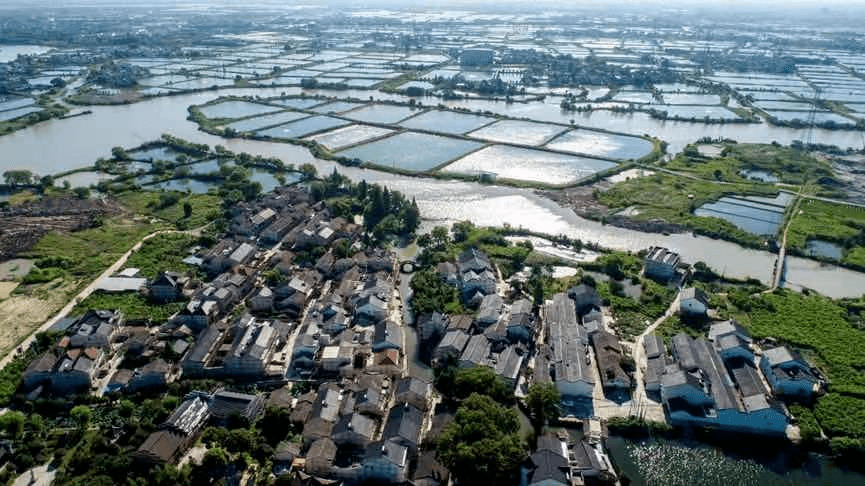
(528, 165)
(754, 214)
(259, 122)
(447, 122)
(235, 109)
(518, 132)
(601, 144)
(417, 152)
(302, 128)
(350, 135)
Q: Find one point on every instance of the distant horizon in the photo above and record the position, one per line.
(743, 5)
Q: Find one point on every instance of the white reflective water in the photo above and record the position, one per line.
(59, 145)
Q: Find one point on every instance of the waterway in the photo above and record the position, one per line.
(687, 463)
(60, 145)
(11, 52)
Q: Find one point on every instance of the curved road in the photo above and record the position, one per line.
(25, 344)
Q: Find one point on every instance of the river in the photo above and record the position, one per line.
(11, 52)
(687, 463)
(60, 145)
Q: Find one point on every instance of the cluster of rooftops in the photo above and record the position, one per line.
(337, 320)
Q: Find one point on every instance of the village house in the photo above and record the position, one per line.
(152, 376)
(609, 356)
(167, 287)
(224, 405)
(476, 353)
(95, 328)
(521, 325)
(477, 276)
(177, 433)
(388, 335)
(431, 328)
(586, 299)
(490, 311)
(450, 347)
(568, 360)
(508, 365)
(661, 264)
(253, 348)
(414, 391)
(693, 303)
(261, 300)
(788, 374)
(404, 425)
(698, 391)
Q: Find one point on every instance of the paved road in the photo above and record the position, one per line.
(89, 290)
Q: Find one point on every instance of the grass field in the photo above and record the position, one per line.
(673, 199)
(837, 223)
(134, 306)
(85, 254)
(163, 253)
(791, 166)
(205, 207)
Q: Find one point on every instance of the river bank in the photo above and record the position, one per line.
(60, 145)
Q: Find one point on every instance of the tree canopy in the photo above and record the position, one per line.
(482, 445)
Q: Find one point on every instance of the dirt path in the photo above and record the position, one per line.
(29, 309)
(639, 352)
(782, 251)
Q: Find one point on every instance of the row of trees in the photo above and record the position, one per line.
(384, 212)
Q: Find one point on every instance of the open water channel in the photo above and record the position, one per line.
(60, 145)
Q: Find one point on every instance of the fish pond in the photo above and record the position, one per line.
(235, 109)
(528, 165)
(447, 122)
(386, 114)
(601, 144)
(401, 151)
(754, 214)
(301, 128)
(518, 132)
(350, 135)
(260, 122)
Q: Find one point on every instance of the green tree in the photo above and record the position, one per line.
(81, 192)
(308, 171)
(483, 380)
(483, 444)
(431, 294)
(187, 210)
(12, 424)
(18, 177)
(119, 153)
(543, 403)
(214, 459)
(462, 230)
(275, 425)
(81, 414)
(440, 237)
